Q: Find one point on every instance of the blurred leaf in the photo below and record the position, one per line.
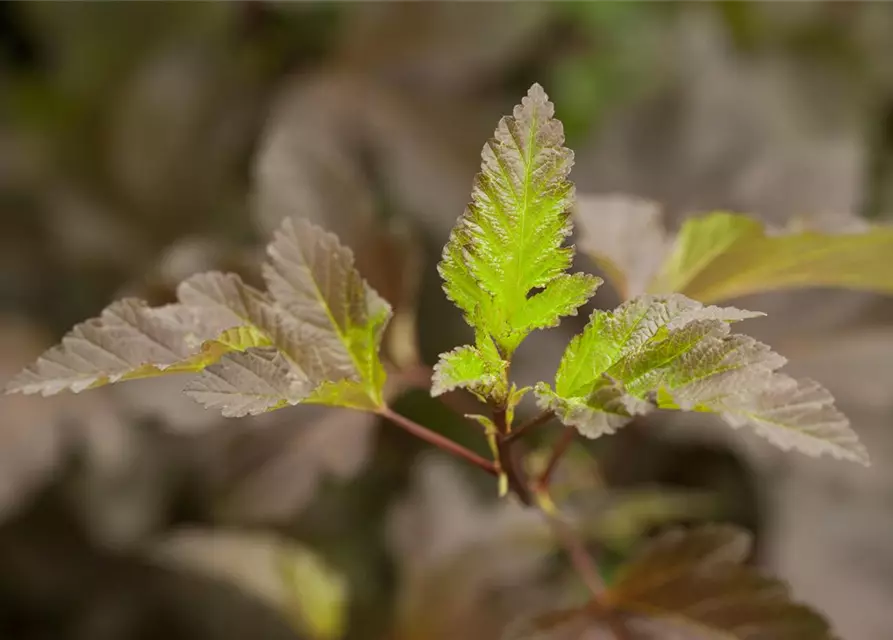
(281, 468)
(466, 567)
(627, 516)
(611, 56)
(317, 594)
(625, 237)
(693, 584)
(291, 578)
(561, 624)
(723, 255)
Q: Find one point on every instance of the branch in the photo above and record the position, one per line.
(509, 459)
(534, 422)
(567, 437)
(586, 568)
(438, 440)
(419, 377)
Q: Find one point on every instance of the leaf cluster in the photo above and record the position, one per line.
(314, 336)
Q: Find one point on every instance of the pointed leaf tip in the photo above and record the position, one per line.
(505, 262)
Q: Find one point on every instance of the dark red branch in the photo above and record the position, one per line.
(510, 459)
(561, 447)
(534, 422)
(438, 440)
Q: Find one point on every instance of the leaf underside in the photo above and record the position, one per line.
(671, 352)
(505, 262)
(313, 337)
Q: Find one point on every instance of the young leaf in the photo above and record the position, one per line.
(693, 584)
(465, 367)
(314, 339)
(508, 243)
(723, 255)
(671, 352)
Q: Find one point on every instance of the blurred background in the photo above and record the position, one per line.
(143, 142)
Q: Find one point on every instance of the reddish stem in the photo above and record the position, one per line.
(438, 440)
(510, 460)
(534, 422)
(558, 452)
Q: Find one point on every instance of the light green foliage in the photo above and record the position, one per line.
(313, 338)
(720, 256)
(317, 595)
(467, 367)
(283, 575)
(504, 264)
(725, 255)
(672, 352)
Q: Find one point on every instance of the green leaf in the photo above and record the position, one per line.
(561, 297)
(314, 338)
(466, 367)
(287, 577)
(725, 255)
(693, 584)
(509, 241)
(671, 352)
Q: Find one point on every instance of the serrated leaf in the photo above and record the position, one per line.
(249, 383)
(725, 255)
(316, 339)
(509, 241)
(610, 336)
(736, 377)
(128, 340)
(693, 584)
(465, 367)
(312, 277)
(561, 297)
(796, 414)
(671, 352)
